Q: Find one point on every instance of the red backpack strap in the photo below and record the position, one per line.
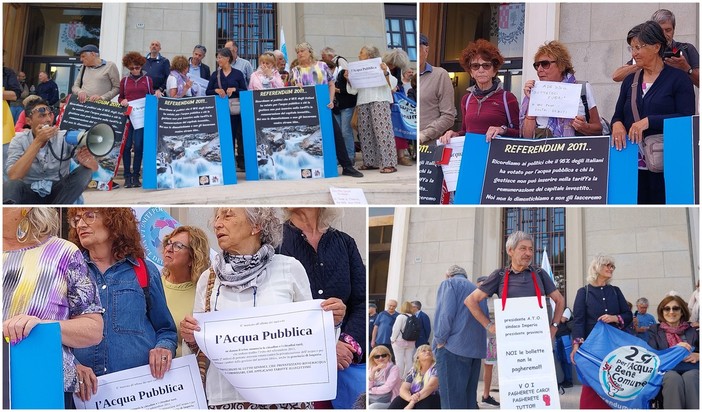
(142, 276)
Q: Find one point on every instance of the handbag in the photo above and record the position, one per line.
(652, 146)
(350, 384)
(234, 103)
(379, 398)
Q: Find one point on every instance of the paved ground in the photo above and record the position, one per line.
(569, 400)
(398, 188)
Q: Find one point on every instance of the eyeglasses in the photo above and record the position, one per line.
(545, 64)
(176, 246)
(671, 308)
(476, 66)
(135, 67)
(610, 266)
(637, 48)
(41, 110)
(87, 217)
(384, 355)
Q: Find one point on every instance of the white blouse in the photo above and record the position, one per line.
(283, 281)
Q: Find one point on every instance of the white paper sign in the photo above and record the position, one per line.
(136, 115)
(348, 196)
(555, 99)
(199, 85)
(525, 355)
(366, 73)
(273, 354)
(180, 388)
(451, 170)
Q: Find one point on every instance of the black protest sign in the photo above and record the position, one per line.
(83, 116)
(431, 177)
(547, 171)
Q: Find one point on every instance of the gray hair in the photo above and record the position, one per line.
(325, 217)
(43, 221)
(371, 51)
(328, 50)
(642, 301)
(266, 219)
(596, 266)
(418, 304)
(396, 58)
(663, 16)
(455, 270)
(278, 53)
(516, 237)
(202, 48)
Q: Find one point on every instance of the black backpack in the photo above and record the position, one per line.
(412, 328)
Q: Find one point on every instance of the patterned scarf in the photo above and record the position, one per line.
(241, 271)
(673, 333)
(180, 81)
(479, 93)
(559, 127)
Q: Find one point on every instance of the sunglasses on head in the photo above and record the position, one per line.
(545, 64)
(384, 355)
(671, 308)
(41, 110)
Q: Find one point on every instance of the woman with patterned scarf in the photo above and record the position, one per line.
(248, 273)
(681, 386)
(552, 63)
(178, 84)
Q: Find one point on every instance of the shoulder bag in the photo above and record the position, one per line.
(652, 145)
(234, 104)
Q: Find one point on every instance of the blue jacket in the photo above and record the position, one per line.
(424, 331)
(48, 91)
(454, 325)
(129, 332)
(158, 69)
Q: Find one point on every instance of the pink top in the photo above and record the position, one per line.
(260, 82)
(386, 380)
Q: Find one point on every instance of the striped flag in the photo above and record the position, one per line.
(284, 49)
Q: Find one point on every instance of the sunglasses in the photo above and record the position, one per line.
(135, 67)
(476, 66)
(87, 217)
(611, 266)
(41, 110)
(384, 355)
(545, 64)
(177, 246)
(671, 308)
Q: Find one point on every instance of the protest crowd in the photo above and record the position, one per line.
(35, 175)
(663, 74)
(117, 311)
(445, 368)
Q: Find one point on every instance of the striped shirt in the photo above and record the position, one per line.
(50, 281)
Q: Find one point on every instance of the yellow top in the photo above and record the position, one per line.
(180, 298)
(8, 123)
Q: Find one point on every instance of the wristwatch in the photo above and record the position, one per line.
(689, 72)
(555, 325)
(504, 128)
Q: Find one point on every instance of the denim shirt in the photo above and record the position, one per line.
(129, 333)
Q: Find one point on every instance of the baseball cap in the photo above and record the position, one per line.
(88, 48)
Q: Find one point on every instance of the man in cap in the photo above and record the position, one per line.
(98, 79)
(437, 111)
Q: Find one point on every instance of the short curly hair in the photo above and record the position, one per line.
(396, 58)
(199, 250)
(266, 219)
(179, 63)
(559, 52)
(133, 59)
(123, 226)
(484, 49)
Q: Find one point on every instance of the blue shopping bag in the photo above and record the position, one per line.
(622, 368)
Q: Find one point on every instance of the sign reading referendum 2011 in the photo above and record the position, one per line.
(547, 171)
